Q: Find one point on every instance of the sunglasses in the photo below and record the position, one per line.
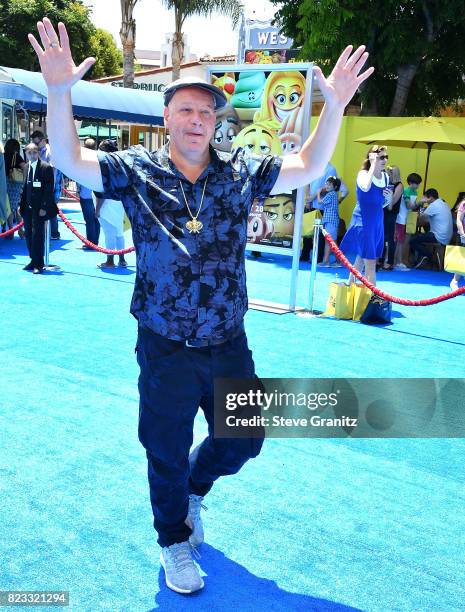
(383, 157)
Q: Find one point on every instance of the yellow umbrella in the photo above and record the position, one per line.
(424, 134)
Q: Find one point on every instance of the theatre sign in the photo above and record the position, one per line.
(262, 43)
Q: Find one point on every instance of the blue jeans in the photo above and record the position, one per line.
(417, 243)
(92, 223)
(174, 381)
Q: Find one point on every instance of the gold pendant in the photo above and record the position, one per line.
(194, 226)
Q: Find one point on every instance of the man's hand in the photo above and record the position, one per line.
(339, 88)
(42, 212)
(58, 68)
(290, 132)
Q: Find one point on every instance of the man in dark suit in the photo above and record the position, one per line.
(36, 206)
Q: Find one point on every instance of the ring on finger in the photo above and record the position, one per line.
(53, 45)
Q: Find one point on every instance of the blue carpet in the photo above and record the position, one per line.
(324, 525)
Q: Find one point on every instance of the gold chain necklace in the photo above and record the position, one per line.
(194, 225)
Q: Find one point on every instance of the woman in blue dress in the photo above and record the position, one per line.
(365, 235)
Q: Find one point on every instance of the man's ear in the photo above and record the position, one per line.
(166, 114)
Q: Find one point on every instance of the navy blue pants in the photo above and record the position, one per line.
(175, 380)
(91, 220)
(34, 232)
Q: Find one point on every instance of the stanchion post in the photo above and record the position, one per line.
(47, 265)
(47, 242)
(316, 237)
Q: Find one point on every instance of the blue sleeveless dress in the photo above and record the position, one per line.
(365, 234)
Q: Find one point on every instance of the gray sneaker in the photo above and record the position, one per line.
(181, 572)
(194, 521)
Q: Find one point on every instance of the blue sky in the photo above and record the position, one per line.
(153, 21)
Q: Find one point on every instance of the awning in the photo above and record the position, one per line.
(90, 100)
(103, 131)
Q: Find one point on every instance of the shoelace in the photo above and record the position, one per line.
(182, 556)
(195, 506)
(195, 552)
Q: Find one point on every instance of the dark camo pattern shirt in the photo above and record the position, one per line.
(188, 286)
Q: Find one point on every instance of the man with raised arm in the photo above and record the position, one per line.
(188, 207)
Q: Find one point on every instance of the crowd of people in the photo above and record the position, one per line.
(30, 189)
(392, 225)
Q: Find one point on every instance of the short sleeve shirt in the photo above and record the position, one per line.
(440, 220)
(319, 183)
(330, 206)
(188, 285)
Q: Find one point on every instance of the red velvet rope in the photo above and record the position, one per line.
(12, 230)
(391, 298)
(70, 194)
(83, 239)
(91, 244)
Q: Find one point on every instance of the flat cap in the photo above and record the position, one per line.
(192, 81)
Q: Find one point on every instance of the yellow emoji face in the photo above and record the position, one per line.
(258, 139)
(280, 210)
(284, 92)
(286, 97)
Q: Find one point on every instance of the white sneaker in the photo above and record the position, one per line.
(402, 267)
(454, 285)
(181, 572)
(194, 521)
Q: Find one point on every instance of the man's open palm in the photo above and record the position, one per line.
(57, 65)
(345, 79)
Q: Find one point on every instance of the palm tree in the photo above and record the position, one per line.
(187, 8)
(128, 39)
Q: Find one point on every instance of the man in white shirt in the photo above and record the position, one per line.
(439, 218)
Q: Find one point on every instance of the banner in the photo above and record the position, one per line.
(264, 116)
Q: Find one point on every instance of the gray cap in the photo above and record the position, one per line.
(192, 81)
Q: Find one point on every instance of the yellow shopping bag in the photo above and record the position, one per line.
(411, 225)
(454, 259)
(362, 296)
(340, 301)
(308, 222)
